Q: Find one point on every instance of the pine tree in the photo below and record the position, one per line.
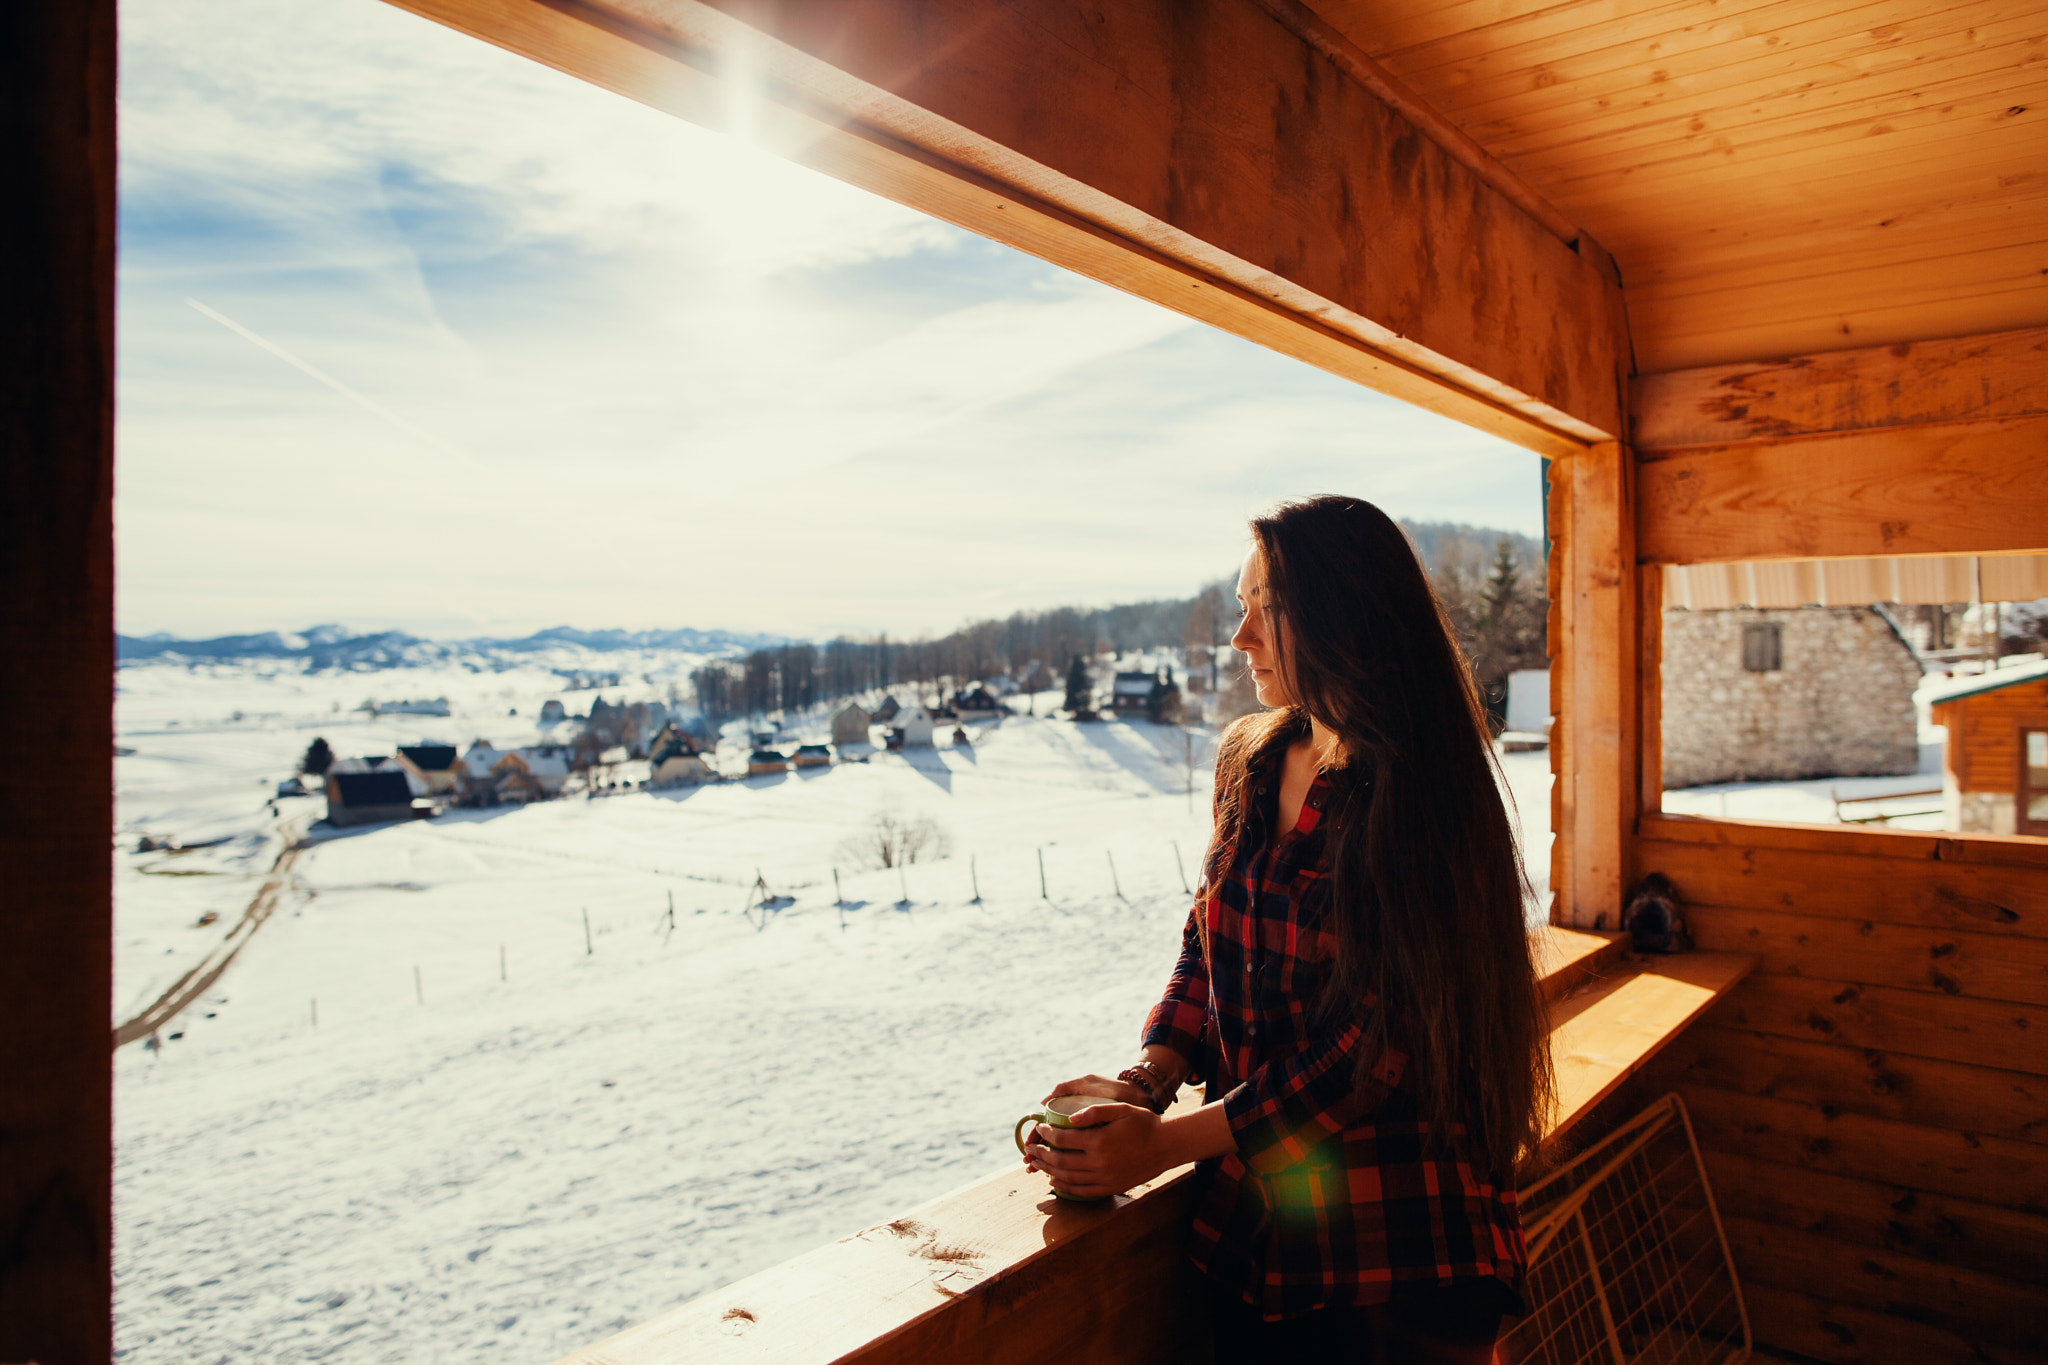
(1080, 692)
(319, 758)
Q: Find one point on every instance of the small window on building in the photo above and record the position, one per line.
(1760, 647)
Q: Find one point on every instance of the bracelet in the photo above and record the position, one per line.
(1147, 1077)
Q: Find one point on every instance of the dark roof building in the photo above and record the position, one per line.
(365, 798)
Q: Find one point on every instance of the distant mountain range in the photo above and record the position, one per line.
(324, 647)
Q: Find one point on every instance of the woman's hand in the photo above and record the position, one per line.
(1112, 1146)
(1103, 1087)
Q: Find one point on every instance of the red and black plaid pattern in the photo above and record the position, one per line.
(1332, 1196)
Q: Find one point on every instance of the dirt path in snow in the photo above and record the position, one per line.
(179, 996)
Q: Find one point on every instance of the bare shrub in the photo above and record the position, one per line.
(892, 839)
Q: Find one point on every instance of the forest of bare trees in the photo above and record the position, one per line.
(1491, 584)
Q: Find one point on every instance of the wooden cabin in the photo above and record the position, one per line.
(1995, 774)
(1764, 284)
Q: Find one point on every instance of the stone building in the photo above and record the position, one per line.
(1777, 695)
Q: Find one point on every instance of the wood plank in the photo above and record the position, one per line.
(1909, 1023)
(1604, 1034)
(1743, 261)
(57, 234)
(1203, 174)
(1857, 109)
(1935, 894)
(1960, 488)
(1557, 531)
(1961, 1165)
(1649, 699)
(991, 1272)
(1567, 958)
(1908, 957)
(1820, 1329)
(1869, 1213)
(1667, 338)
(1827, 293)
(1599, 705)
(1740, 100)
(1946, 380)
(1889, 1085)
(1974, 1305)
(1991, 850)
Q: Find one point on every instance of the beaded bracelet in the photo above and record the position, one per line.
(1144, 1078)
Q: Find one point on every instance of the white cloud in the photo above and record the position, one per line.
(651, 377)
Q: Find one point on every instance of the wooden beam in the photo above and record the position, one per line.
(56, 673)
(1595, 655)
(1955, 379)
(1194, 153)
(1977, 487)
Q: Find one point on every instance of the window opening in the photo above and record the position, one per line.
(1761, 647)
(1788, 693)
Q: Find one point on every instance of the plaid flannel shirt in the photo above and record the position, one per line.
(1332, 1196)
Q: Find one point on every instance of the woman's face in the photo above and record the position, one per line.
(1258, 634)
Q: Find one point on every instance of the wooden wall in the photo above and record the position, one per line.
(56, 677)
(1984, 734)
(1873, 1100)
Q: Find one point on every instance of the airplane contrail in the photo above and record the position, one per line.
(369, 405)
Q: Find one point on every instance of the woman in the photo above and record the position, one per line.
(1354, 987)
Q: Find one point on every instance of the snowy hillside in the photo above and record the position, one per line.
(462, 1166)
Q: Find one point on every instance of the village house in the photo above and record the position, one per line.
(364, 798)
(1783, 694)
(552, 712)
(886, 712)
(476, 778)
(812, 756)
(975, 703)
(850, 725)
(1995, 771)
(1155, 696)
(912, 730)
(674, 761)
(431, 767)
(762, 762)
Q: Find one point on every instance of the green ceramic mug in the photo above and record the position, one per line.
(1059, 1112)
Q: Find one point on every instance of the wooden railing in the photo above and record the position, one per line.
(1002, 1271)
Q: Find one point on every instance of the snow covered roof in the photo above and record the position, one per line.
(1987, 682)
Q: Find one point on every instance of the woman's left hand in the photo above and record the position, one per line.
(1112, 1147)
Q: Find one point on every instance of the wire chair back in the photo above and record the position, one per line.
(1628, 1264)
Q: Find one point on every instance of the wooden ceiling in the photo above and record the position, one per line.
(1775, 177)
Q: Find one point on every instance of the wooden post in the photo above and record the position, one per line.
(1595, 657)
(974, 877)
(1178, 867)
(57, 667)
(1042, 892)
(1114, 884)
(588, 949)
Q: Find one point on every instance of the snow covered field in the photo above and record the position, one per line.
(458, 1166)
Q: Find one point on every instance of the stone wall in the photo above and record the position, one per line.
(1840, 704)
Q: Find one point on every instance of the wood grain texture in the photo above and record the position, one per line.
(1983, 750)
(1890, 1085)
(1913, 1156)
(1949, 380)
(1909, 957)
(1937, 894)
(1825, 1329)
(1987, 850)
(1961, 488)
(1912, 1023)
(1599, 705)
(1337, 215)
(57, 233)
(1975, 1305)
(1604, 1034)
(1864, 1213)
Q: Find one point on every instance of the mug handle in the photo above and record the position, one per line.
(1035, 1116)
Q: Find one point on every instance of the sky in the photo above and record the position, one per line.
(417, 334)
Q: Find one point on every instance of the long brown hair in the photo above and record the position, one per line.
(1426, 889)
